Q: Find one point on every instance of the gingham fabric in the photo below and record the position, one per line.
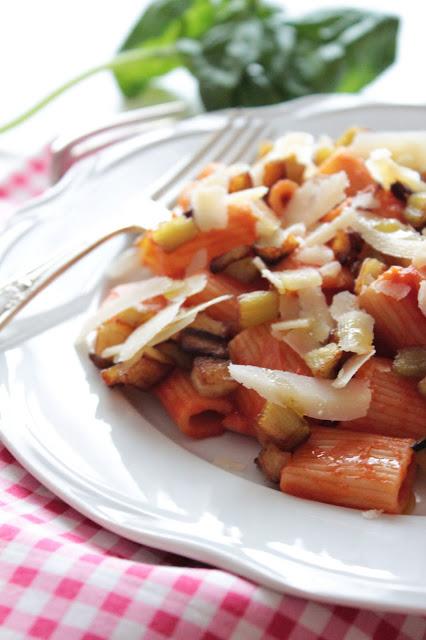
(62, 577)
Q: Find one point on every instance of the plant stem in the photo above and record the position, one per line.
(120, 60)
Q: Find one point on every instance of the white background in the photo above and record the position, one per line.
(44, 43)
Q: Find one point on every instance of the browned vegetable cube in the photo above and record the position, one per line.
(205, 323)
(220, 263)
(210, 376)
(282, 426)
(240, 182)
(324, 360)
(139, 371)
(201, 343)
(271, 461)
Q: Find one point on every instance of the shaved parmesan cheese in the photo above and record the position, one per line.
(140, 337)
(186, 288)
(327, 230)
(247, 195)
(331, 269)
(355, 330)
(395, 290)
(386, 171)
(372, 514)
(296, 144)
(297, 323)
(317, 255)
(316, 197)
(312, 397)
(126, 296)
(350, 368)
(313, 304)
(209, 204)
(343, 302)
(279, 236)
(161, 327)
(407, 147)
(421, 298)
(267, 222)
(291, 279)
(300, 340)
(289, 306)
(404, 242)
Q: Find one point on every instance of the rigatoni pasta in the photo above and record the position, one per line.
(288, 304)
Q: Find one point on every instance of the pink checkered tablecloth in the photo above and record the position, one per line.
(62, 577)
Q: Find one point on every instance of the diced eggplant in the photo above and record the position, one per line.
(139, 371)
(210, 376)
(271, 461)
(201, 343)
(173, 351)
(99, 362)
(220, 263)
(273, 255)
(240, 182)
(282, 426)
(273, 171)
(205, 323)
(324, 360)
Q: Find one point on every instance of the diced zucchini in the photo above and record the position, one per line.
(173, 233)
(271, 461)
(410, 362)
(273, 255)
(242, 270)
(324, 360)
(415, 212)
(348, 136)
(355, 331)
(117, 329)
(258, 307)
(220, 263)
(370, 270)
(139, 371)
(210, 377)
(282, 426)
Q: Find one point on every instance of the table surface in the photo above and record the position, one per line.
(70, 37)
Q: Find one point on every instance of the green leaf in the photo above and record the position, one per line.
(163, 23)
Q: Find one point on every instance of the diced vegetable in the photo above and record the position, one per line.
(258, 307)
(175, 232)
(210, 377)
(324, 360)
(346, 246)
(370, 270)
(273, 171)
(220, 263)
(410, 362)
(173, 351)
(273, 255)
(202, 343)
(271, 461)
(242, 270)
(290, 279)
(415, 211)
(348, 136)
(240, 182)
(282, 426)
(205, 323)
(139, 371)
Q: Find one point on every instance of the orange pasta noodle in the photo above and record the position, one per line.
(396, 408)
(219, 285)
(257, 346)
(241, 229)
(238, 423)
(196, 416)
(358, 175)
(352, 469)
(280, 195)
(398, 322)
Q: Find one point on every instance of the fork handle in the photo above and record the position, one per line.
(17, 293)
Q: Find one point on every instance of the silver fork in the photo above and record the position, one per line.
(230, 143)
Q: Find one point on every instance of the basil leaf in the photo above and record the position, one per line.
(163, 23)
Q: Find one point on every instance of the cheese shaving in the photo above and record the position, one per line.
(403, 242)
(316, 197)
(386, 171)
(355, 331)
(209, 205)
(297, 323)
(312, 397)
(407, 147)
(327, 230)
(300, 340)
(316, 255)
(313, 304)
(343, 302)
(331, 269)
(350, 368)
(290, 279)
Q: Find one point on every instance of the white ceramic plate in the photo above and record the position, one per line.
(120, 460)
